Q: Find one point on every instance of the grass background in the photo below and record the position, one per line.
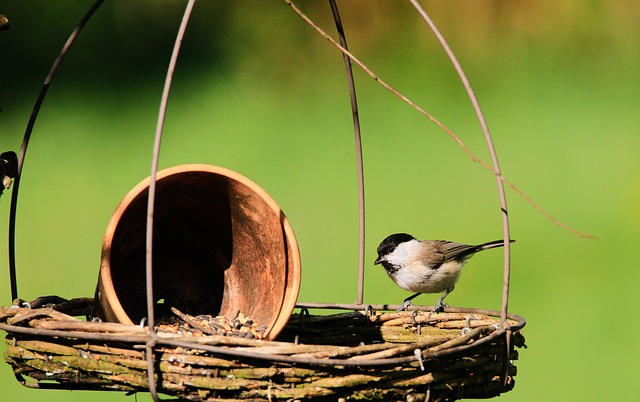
(257, 91)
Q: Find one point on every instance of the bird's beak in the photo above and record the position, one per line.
(377, 261)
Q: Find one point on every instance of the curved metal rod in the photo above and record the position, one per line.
(497, 174)
(358, 141)
(27, 136)
(492, 152)
(152, 195)
(496, 167)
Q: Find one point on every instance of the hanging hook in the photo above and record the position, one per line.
(304, 312)
(467, 327)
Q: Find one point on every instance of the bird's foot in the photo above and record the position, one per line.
(404, 306)
(439, 308)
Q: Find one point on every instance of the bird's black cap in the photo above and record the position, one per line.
(390, 243)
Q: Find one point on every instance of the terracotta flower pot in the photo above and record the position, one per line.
(221, 245)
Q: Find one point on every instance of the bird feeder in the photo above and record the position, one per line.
(197, 298)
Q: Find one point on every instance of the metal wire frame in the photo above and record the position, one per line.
(492, 151)
(27, 136)
(153, 340)
(485, 129)
(358, 143)
(347, 59)
(476, 106)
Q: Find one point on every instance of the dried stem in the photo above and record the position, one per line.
(434, 120)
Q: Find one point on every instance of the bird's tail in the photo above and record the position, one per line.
(491, 244)
(463, 252)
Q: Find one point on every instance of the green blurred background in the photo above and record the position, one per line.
(258, 91)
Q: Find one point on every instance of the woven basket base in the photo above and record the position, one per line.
(377, 356)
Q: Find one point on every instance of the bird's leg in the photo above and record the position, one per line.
(439, 304)
(407, 302)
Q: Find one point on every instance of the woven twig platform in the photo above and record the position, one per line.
(381, 356)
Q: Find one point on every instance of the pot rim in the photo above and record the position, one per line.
(293, 269)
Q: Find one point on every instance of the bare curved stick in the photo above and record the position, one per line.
(358, 141)
(435, 121)
(27, 136)
(152, 194)
(492, 151)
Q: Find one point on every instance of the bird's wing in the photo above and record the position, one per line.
(453, 251)
(433, 254)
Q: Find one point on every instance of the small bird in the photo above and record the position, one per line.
(4, 23)
(8, 169)
(426, 266)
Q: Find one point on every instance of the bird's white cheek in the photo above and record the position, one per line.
(403, 254)
(396, 260)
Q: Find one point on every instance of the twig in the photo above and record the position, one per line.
(193, 322)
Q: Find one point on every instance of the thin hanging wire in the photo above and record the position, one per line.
(358, 144)
(152, 195)
(492, 150)
(27, 136)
